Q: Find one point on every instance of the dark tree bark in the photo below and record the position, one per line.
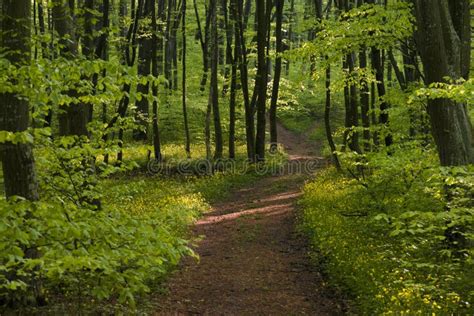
(171, 49)
(365, 101)
(460, 11)
(19, 172)
(204, 41)
(74, 118)
(17, 159)
(145, 51)
(441, 39)
(377, 64)
(214, 90)
(364, 97)
(398, 73)
(154, 66)
(88, 47)
(327, 120)
(130, 53)
(102, 47)
(89, 26)
(276, 79)
(234, 60)
(42, 28)
(243, 68)
(290, 33)
(228, 46)
(261, 79)
(354, 108)
(410, 61)
(185, 110)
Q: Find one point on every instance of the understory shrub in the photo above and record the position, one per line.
(396, 232)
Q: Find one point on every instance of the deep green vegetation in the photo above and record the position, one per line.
(116, 119)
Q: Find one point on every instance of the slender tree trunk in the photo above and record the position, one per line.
(354, 108)
(169, 43)
(145, 50)
(214, 90)
(231, 23)
(228, 47)
(365, 101)
(73, 120)
(130, 54)
(261, 80)
(276, 79)
(154, 66)
(203, 39)
(42, 28)
(377, 63)
(183, 66)
(327, 120)
(290, 33)
(232, 117)
(241, 47)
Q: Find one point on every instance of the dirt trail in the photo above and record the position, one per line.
(252, 262)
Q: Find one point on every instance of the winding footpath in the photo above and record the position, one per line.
(252, 259)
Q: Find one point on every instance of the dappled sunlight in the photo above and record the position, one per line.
(265, 211)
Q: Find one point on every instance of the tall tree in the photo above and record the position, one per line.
(234, 59)
(73, 119)
(214, 90)
(145, 51)
(442, 40)
(17, 159)
(183, 83)
(243, 69)
(261, 78)
(276, 79)
(154, 66)
(19, 173)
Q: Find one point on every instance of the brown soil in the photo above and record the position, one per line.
(252, 261)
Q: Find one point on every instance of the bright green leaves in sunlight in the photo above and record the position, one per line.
(365, 26)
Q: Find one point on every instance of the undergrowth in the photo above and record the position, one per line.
(391, 236)
(104, 257)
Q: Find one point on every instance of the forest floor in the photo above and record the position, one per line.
(253, 260)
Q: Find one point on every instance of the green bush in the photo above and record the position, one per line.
(383, 229)
(116, 250)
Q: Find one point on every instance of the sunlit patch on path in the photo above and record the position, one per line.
(252, 261)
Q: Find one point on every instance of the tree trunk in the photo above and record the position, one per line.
(261, 80)
(154, 66)
(233, 80)
(276, 79)
(18, 164)
(327, 119)
(73, 120)
(441, 41)
(214, 90)
(183, 61)
(145, 49)
(365, 101)
(241, 47)
(354, 108)
(377, 64)
(19, 173)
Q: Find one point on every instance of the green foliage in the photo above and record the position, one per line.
(392, 235)
(369, 25)
(118, 251)
(85, 252)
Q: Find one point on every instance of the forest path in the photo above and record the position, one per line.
(252, 261)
